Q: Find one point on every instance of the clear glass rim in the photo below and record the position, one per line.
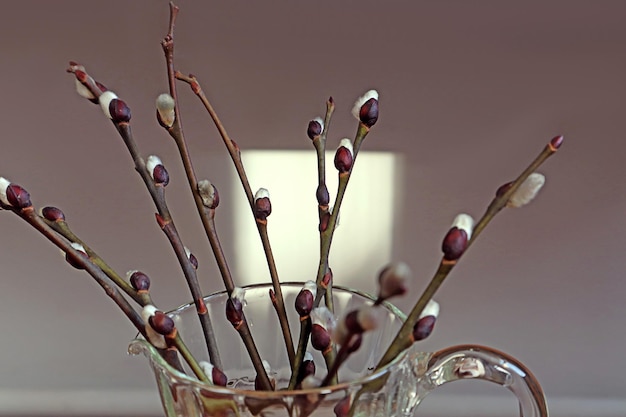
(139, 345)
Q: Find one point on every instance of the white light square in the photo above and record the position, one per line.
(362, 243)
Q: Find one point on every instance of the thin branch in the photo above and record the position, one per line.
(31, 217)
(165, 221)
(206, 216)
(403, 338)
(42, 225)
(234, 152)
(303, 339)
(327, 232)
(62, 228)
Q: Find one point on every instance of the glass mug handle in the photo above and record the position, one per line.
(480, 362)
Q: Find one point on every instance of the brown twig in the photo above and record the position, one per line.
(157, 194)
(166, 223)
(403, 338)
(303, 339)
(327, 232)
(109, 285)
(28, 214)
(261, 225)
(206, 216)
(243, 329)
(62, 228)
(42, 225)
(319, 143)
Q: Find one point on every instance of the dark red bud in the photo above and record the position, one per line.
(53, 214)
(342, 408)
(369, 112)
(314, 129)
(556, 142)
(352, 322)
(389, 285)
(343, 159)
(195, 86)
(234, 312)
(160, 175)
(80, 74)
(120, 112)
(219, 377)
(18, 197)
(354, 343)
(454, 244)
(193, 260)
(320, 338)
(304, 303)
(323, 198)
(327, 279)
(503, 189)
(307, 369)
(161, 221)
(324, 222)
(140, 281)
(262, 208)
(76, 260)
(424, 327)
(162, 323)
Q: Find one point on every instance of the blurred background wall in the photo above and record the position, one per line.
(470, 93)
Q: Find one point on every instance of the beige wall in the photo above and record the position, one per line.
(470, 92)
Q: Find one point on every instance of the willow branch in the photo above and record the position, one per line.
(235, 155)
(327, 230)
(62, 228)
(404, 337)
(28, 214)
(206, 217)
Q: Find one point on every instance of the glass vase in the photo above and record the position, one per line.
(393, 391)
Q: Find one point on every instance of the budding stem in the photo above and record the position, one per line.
(206, 216)
(87, 81)
(167, 225)
(402, 339)
(320, 148)
(326, 235)
(233, 150)
(243, 329)
(189, 358)
(340, 358)
(305, 330)
(109, 286)
(499, 202)
(101, 278)
(62, 228)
